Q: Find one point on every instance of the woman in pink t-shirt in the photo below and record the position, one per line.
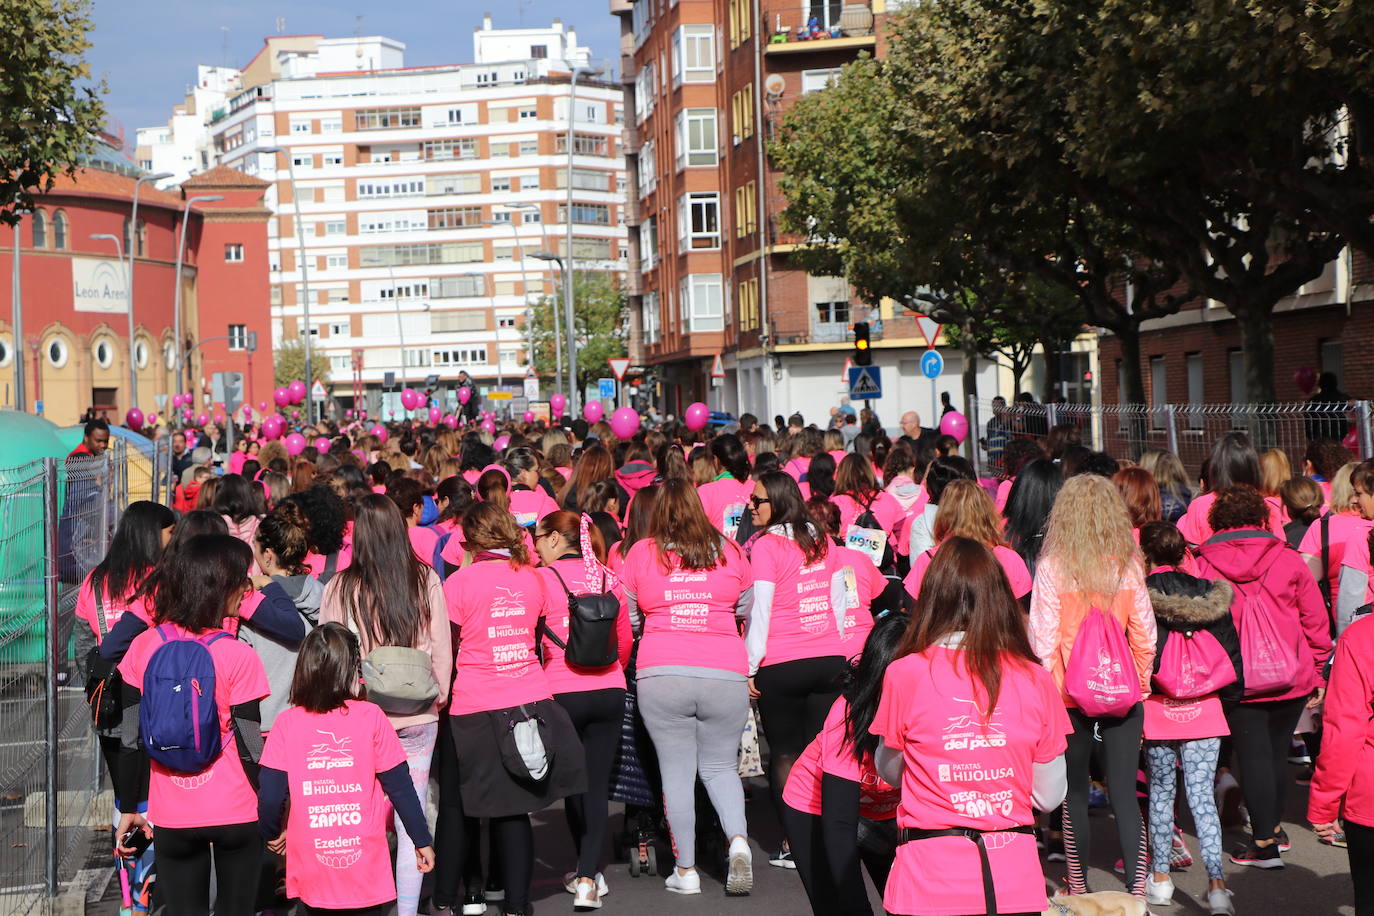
(857, 492)
(573, 554)
(454, 496)
(973, 731)
(726, 498)
(1233, 461)
(528, 500)
(494, 606)
(336, 759)
(213, 811)
(967, 511)
(108, 591)
(390, 598)
(688, 585)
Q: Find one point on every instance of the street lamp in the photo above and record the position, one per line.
(400, 332)
(568, 329)
(176, 290)
(133, 367)
(525, 280)
(133, 238)
(305, 277)
(568, 269)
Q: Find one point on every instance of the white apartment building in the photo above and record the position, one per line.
(182, 146)
(423, 192)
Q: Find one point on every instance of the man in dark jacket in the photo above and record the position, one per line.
(1326, 418)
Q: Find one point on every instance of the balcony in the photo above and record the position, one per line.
(819, 26)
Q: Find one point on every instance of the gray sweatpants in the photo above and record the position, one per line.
(696, 724)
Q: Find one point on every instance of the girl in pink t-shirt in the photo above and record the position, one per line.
(726, 498)
(108, 591)
(857, 492)
(973, 732)
(528, 502)
(966, 510)
(336, 759)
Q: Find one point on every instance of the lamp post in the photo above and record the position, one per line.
(525, 285)
(305, 277)
(17, 323)
(133, 243)
(400, 332)
(133, 367)
(176, 289)
(567, 315)
(568, 267)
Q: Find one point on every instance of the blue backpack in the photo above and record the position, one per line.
(437, 561)
(178, 717)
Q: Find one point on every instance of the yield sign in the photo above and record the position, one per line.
(844, 373)
(930, 329)
(619, 365)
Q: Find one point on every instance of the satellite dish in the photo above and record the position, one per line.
(774, 85)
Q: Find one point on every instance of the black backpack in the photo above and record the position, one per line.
(592, 638)
(866, 519)
(104, 683)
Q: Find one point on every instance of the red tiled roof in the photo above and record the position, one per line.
(99, 183)
(222, 176)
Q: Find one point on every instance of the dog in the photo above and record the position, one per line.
(1103, 903)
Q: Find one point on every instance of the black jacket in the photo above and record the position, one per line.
(1182, 602)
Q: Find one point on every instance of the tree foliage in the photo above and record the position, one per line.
(288, 364)
(48, 114)
(600, 316)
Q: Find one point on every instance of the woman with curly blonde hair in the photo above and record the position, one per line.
(966, 511)
(1090, 560)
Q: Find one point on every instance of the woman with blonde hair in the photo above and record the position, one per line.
(1274, 470)
(1323, 545)
(967, 511)
(1174, 491)
(1090, 560)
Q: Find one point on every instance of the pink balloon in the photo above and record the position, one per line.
(186, 414)
(297, 391)
(557, 404)
(625, 422)
(379, 431)
(295, 414)
(202, 419)
(282, 397)
(592, 411)
(451, 421)
(219, 417)
(133, 418)
(696, 416)
(247, 412)
(321, 444)
(501, 443)
(1352, 442)
(1306, 379)
(434, 414)
(295, 444)
(272, 427)
(529, 416)
(488, 426)
(411, 399)
(151, 419)
(348, 414)
(464, 395)
(392, 414)
(954, 424)
(262, 407)
(362, 415)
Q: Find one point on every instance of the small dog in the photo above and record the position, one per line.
(1103, 903)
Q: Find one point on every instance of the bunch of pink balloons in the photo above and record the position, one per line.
(411, 399)
(696, 416)
(557, 404)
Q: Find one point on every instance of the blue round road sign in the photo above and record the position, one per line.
(932, 364)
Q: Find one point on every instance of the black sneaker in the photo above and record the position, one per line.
(1282, 837)
(1258, 856)
(783, 859)
(474, 904)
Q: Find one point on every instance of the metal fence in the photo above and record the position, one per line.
(56, 519)
(1187, 430)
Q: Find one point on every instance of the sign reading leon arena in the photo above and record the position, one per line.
(98, 286)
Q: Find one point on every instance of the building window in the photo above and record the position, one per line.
(455, 217)
(382, 118)
(1331, 352)
(1159, 393)
(141, 354)
(57, 353)
(749, 305)
(694, 56)
(465, 356)
(460, 148)
(584, 145)
(742, 109)
(648, 243)
(816, 80)
(593, 214)
(650, 318)
(302, 160)
(103, 352)
(539, 52)
(531, 217)
(333, 125)
(456, 287)
(443, 185)
(238, 337)
(6, 353)
(500, 216)
(39, 226)
(1236, 363)
(233, 252)
(141, 239)
(396, 187)
(436, 253)
(59, 231)
(501, 183)
(832, 312)
(335, 227)
(648, 168)
(699, 221)
(340, 329)
(328, 159)
(529, 114)
(746, 209)
(696, 137)
(341, 363)
(1196, 391)
(300, 127)
(507, 321)
(703, 308)
(336, 262)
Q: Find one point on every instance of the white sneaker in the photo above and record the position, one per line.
(679, 883)
(587, 897)
(739, 876)
(1159, 893)
(1219, 902)
(570, 883)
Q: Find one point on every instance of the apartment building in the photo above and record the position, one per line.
(711, 274)
(182, 146)
(423, 193)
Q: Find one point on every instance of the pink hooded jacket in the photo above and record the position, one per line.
(1343, 769)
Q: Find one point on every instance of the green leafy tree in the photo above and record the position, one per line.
(600, 316)
(48, 117)
(288, 364)
(1038, 313)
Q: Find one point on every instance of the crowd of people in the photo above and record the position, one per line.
(439, 632)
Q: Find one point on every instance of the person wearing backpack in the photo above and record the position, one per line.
(1285, 640)
(195, 692)
(1090, 581)
(726, 496)
(590, 689)
(395, 603)
(862, 502)
(1197, 668)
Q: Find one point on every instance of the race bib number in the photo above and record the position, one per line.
(871, 542)
(733, 516)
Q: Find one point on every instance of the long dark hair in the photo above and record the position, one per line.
(785, 499)
(863, 683)
(134, 549)
(208, 570)
(965, 590)
(679, 524)
(327, 516)
(820, 476)
(327, 669)
(459, 494)
(385, 589)
(1028, 508)
(190, 525)
(1233, 461)
(237, 498)
(729, 453)
(855, 478)
(944, 469)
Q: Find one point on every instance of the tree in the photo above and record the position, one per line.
(48, 121)
(288, 364)
(600, 318)
(1037, 314)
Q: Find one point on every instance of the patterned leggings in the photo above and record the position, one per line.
(1199, 772)
(418, 742)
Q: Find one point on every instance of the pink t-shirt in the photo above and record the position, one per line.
(886, 510)
(496, 608)
(726, 500)
(336, 850)
(115, 608)
(797, 468)
(220, 794)
(689, 614)
(1003, 494)
(967, 768)
(1167, 719)
(529, 506)
(561, 677)
(1011, 561)
(453, 552)
(423, 540)
(1341, 530)
(801, 623)
(1196, 529)
(859, 578)
(830, 752)
(1356, 556)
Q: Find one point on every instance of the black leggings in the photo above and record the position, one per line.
(794, 699)
(1117, 741)
(827, 849)
(1359, 841)
(1261, 733)
(381, 909)
(183, 868)
(597, 715)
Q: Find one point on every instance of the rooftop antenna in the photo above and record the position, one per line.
(281, 24)
(358, 26)
(224, 47)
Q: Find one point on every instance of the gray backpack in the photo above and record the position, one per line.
(400, 680)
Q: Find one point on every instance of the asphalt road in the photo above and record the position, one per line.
(1315, 881)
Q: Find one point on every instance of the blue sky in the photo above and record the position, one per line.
(147, 50)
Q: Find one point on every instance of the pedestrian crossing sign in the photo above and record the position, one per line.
(865, 383)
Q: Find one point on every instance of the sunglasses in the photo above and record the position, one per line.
(757, 501)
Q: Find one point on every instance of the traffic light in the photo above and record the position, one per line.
(863, 355)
